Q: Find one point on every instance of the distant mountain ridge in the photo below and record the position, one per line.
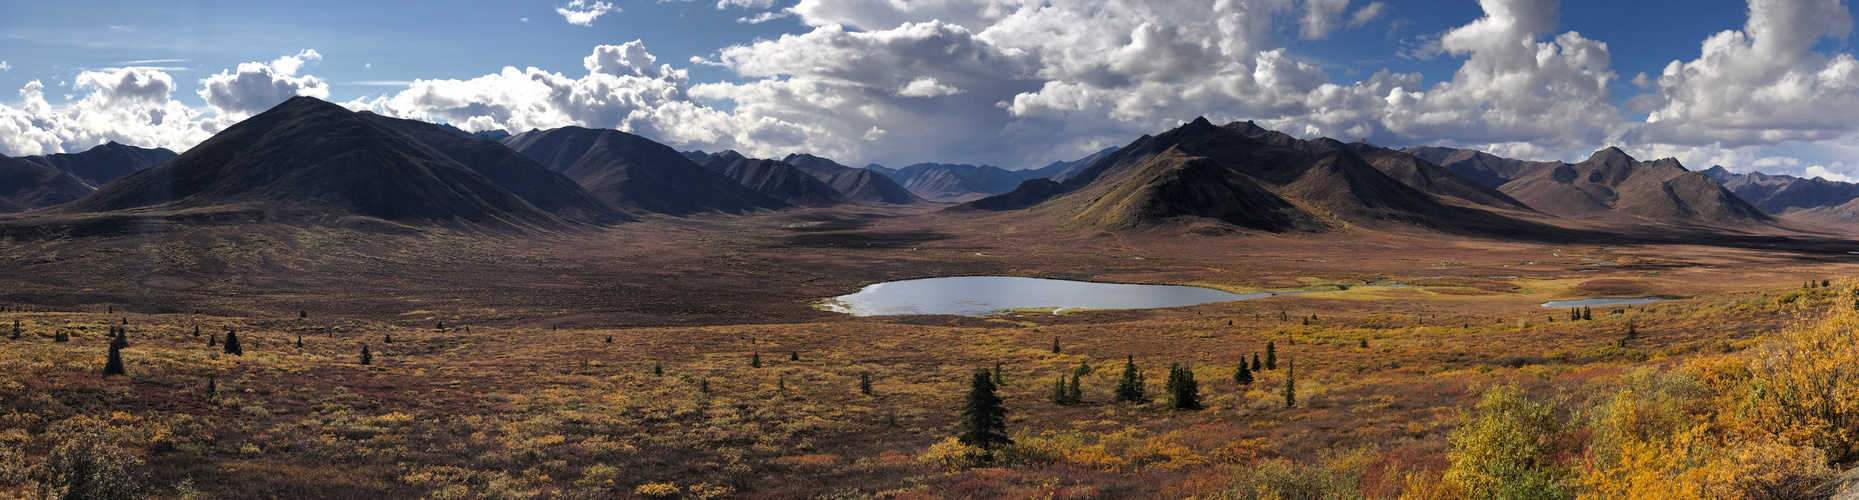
(105, 163)
(310, 158)
(861, 185)
(1608, 185)
(773, 178)
(632, 172)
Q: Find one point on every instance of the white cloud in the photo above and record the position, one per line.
(765, 17)
(1368, 13)
(128, 105)
(1761, 85)
(746, 4)
(581, 13)
(1833, 173)
(4, 66)
(1320, 17)
(256, 87)
(926, 87)
(522, 20)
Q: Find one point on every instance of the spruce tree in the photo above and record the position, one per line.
(1183, 392)
(366, 357)
(1826, 283)
(1364, 343)
(232, 343)
(703, 386)
(196, 330)
(212, 340)
(1061, 394)
(299, 341)
(793, 356)
(212, 387)
(658, 369)
(864, 383)
(121, 337)
(301, 314)
(1291, 386)
(17, 332)
(1271, 356)
(1256, 365)
(1130, 387)
(1306, 321)
(998, 379)
(441, 327)
(115, 364)
(609, 339)
(755, 360)
(1055, 345)
(1075, 393)
(1587, 314)
(1243, 375)
(387, 339)
(1084, 368)
(984, 420)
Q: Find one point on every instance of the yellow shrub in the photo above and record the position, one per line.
(657, 490)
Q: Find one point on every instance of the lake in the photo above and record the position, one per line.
(982, 295)
(1600, 302)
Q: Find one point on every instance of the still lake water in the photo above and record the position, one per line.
(1600, 302)
(981, 295)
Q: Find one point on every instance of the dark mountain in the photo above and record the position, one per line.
(774, 178)
(1411, 170)
(26, 185)
(633, 172)
(1026, 195)
(1783, 194)
(506, 168)
(306, 157)
(1203, 172)
(1058, 171)
(1611, 181)
(1484, 168)
(953, 182)
(861, 185)
(102, 164)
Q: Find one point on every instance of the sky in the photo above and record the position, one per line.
(1768, 85)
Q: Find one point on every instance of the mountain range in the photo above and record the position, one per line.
(310, 160)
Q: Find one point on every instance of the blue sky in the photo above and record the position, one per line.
(979, 81)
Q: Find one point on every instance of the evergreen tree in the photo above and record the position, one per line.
(196, 330)
(212, 340)
(301, 314)
(299, 341)
(115, 364)
(212, 387)
(1183, 392)
(864, 383)
(121, 337)
(609, 339)
(1631, 331)
(1364, 343)
(1075, 393)
(366, 357)
(998, 379)
(1055, 345)
(1061, 394)
(1291, 386)
(703, 386)
(17, 332)
(1130, 387)
(793, 356)
(1243, 375)
(1271, 356)
(232, 343)
(1084, 368)
(441, 327)
(1256, 365)
(387, 339)
(984, 420)
(1587, 314)
(1826, 283)
(658, 369)
(755, 360)
(1306, 321)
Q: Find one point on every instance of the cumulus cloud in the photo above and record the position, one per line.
(581, 13)
(1368, 13)
(927, 87)
(128, 105)
(1761, 85)
(1320, 17)
(256, 87)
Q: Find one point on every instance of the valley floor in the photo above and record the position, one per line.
(622, 362)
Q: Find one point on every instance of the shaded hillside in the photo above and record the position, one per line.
(1201, 171)
(105, 163)
(1782, 194)
(955, 182)
(774, 178)
(25, 185)
(310, 158)
(1611, 181)
(550, 191)
(861, 185)
(1484, 168)
(633, 172)
(1415, 172)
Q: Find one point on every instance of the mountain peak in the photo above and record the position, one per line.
(1610, 153)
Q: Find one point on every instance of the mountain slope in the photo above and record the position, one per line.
(776, 179)
(26, 185)
(1484, 168)
(102, 164)
(1413, 171)
(633, 172)
(861, 185)
(1060, 170)
(1611, 181)
(508, 169)
(309, 158)
(1782, 194)
(955, 182)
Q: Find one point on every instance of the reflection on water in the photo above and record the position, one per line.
(981, 295)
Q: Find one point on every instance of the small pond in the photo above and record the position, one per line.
(1600, 302)
(981, 295)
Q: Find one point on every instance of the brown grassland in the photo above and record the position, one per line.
(528, 366)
